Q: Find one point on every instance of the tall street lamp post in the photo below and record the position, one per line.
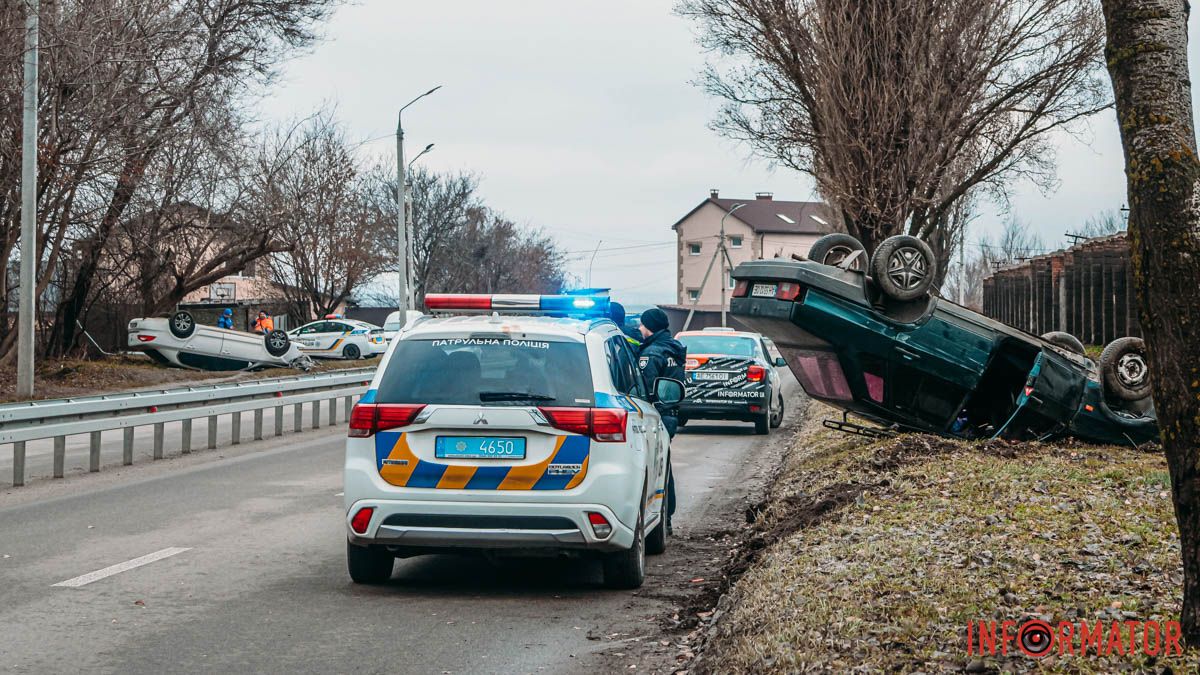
(402, 249)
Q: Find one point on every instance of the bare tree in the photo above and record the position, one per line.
(1103, 223)
(899, 108)
(316, 201)
(1148, 60)
(122, 80)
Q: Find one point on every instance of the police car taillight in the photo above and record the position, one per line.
(603, 424)
(755, 373)
(368, 418)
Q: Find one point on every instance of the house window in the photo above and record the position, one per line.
(735, 241)
(694, 248)
(729, 281)
(693, 294)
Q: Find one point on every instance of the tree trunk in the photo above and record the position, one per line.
(1147, 58)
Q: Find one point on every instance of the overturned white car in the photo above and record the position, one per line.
(179, 341)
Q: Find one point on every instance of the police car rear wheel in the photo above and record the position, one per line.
(369, 564)
(656, 541)
(351, 352)
(182, 325)
(627, 569)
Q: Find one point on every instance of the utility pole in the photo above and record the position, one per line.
(27, 310)
(723, 253)
(403, 250)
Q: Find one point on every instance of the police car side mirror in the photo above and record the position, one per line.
(780, 362)
(668, 391)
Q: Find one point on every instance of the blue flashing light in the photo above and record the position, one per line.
(575, 305)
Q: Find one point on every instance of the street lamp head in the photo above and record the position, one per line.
(428, 148)
(432, 90)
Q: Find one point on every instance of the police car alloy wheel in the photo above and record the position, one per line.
(182, 325)
(627, 569)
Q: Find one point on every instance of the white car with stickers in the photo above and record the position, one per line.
(508, 434)
(337, 338)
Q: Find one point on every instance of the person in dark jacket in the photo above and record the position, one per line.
(226, 319)
(616, 312)
(661, 355)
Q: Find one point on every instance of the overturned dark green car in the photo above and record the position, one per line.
(868, 338)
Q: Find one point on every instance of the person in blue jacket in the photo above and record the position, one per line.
(226, 319)
(661, 355)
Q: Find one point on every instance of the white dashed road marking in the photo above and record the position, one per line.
(120, 567)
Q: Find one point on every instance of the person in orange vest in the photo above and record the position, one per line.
(263, 324)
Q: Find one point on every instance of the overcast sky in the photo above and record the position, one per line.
(581, 118)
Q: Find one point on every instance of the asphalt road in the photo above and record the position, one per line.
(246, 572)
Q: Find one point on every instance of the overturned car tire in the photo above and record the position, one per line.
(1124, 369)
(277, 343)
(903, 267)
(182, 325)
(1066, 341)
(833, 249)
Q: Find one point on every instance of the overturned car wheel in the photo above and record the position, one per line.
(277, 343)
(182, 325)
(1124, 369)
(1066, 341)
(833, 249)
(903, 267)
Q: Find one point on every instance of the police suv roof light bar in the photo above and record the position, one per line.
(564, 305)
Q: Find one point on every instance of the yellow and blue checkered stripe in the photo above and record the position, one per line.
(405, 469)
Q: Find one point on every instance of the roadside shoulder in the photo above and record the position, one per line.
(875, 555)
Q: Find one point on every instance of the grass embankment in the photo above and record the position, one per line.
(67, 378)
(871, 556)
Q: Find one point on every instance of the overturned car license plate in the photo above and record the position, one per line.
(763, 290)
(478, 447)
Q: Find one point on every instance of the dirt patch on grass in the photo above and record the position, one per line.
(68, 378)
(870, 557)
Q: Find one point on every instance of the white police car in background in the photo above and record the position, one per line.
(519, 434)
(335, 337)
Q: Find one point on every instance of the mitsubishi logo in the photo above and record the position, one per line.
(482, 419)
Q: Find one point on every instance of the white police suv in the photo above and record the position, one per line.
(509, 432)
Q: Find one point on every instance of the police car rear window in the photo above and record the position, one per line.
(714, 344)
(488, 371)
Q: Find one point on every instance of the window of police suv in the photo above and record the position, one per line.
(488, 371)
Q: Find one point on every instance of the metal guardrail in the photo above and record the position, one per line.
(93, 415)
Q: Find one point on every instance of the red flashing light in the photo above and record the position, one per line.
(368, 418)
(145, 338)
(362, 519)
(756, 373)
(606, 425)
(454, 301)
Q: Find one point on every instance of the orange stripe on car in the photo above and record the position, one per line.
(398, 474)
(456, 477)
(524, 477)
